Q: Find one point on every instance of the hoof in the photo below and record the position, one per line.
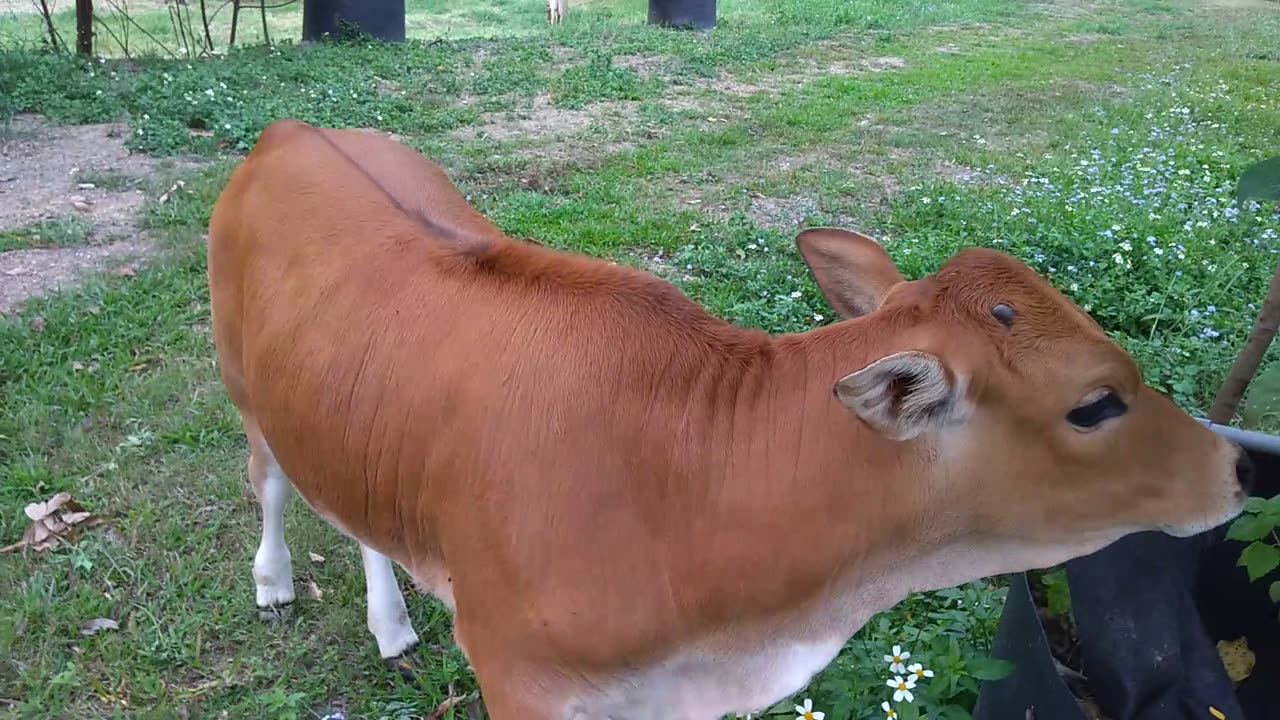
(407, 663)
(275, 613)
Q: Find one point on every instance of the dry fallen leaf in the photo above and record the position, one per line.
(1237, 658)
(82, 205)
(52, 522)
(452, 700)
(164, 196)
(38, 323)
(316, 592)
(93, 627)
(142, 362)
(126, 271)
(315, 557)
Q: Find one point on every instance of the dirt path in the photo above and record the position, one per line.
(81, 179)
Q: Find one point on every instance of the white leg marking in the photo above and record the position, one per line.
(272, 566)
(388, 616)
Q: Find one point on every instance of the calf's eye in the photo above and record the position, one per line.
(1093, 412)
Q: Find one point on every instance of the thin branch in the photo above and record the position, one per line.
(54, 38)
(159, 43)
(1246, 364)
(124, 45)
(214, 15)
(204, 18)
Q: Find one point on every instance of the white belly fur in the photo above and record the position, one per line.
(708, 685)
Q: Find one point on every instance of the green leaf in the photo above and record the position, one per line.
(1274, 591)
(955, 712)
(991, 668)
(1259, 559)
(1261, 181)
(1058, 592)
(1251, 527)
(1255, 505)
(1262, 401)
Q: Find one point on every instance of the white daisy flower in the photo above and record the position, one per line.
(896, 658)
(807, 712)
(919, 671)
(902, 688)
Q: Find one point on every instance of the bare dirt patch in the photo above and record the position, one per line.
(27, 273)
(563, 137)
(781, 213)
(550, 143)
(805, 70)
(49, 171)
(646, 66)
(542, 121)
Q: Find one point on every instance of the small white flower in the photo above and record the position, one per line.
(896, 659)
(817, 317)
(902, 688)
(795, 294)
(807, 712)
(889, 713)
(919, 670)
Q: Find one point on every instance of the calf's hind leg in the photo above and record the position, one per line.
(387, 615)
(272, 565)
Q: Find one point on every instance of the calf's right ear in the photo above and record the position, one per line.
(904, 394)
(852, 270)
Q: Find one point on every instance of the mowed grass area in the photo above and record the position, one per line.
(1099, 142)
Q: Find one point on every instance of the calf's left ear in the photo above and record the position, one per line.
(904, 394)
(854, 272)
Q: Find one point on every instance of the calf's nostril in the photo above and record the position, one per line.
(1244, 471)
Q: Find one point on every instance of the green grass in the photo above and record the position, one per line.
(993, 132)
(61, 231)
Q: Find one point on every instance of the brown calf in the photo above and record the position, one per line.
(635, 509)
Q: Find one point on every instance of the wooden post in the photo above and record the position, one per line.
(84, 27)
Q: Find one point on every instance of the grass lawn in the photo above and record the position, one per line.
(1098, 141)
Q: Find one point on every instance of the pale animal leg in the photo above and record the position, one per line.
(388, 616)
(272, 566)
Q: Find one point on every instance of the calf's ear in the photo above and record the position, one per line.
(904, 394)
(854, 272)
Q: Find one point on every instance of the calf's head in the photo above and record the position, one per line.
(1029, 424)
